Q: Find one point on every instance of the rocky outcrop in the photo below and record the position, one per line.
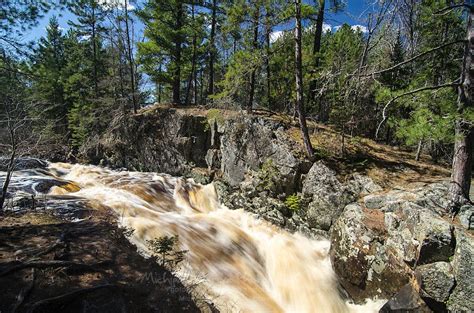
(22, 163)
(250, 143)
(390, 240)
(328, 196)
(165, 140)
(461, 298)
(174, 141)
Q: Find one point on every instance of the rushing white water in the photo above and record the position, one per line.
(247, 265)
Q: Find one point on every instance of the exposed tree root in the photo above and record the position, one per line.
(55, 263)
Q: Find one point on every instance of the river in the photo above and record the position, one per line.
(243, 263)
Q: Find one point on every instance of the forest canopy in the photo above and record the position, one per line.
(395, 77)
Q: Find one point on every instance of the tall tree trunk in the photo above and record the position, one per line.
(418, 150)
(464, 130)
(177, 52)
(201, 86)
(268, 30)
(160, 87)
(195, 88)
(212, 52)
(256, 18)
(193, 61)
(299, 108)
(94, 52)
(130, 58)
(10, 168)
(316, 49)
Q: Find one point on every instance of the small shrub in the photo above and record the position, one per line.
(164, 249)
(293, 202)
(121, 233)
(322, 153)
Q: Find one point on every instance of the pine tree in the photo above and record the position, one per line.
(48, 63)
(165, 25)
(90, 16)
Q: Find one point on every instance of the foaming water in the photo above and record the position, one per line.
(247, 265)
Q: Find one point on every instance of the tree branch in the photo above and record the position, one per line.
(394, 67)
(411, 92)
(452, 7)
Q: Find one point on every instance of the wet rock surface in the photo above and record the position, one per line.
(22, 163)
(390, 239)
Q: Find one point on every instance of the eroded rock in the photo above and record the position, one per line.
(437, 280)
(462, 296)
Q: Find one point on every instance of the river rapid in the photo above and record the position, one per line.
(243, 263)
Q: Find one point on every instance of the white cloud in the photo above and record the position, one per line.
(326, 27)
(362, 28)
(116, 4)
(84, 37)
(274, 36)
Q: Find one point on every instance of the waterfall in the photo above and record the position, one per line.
(244, 264)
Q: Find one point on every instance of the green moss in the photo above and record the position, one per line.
(211, 116)
(322, 153)
(268, 175)
(293, 202)
(215, 114)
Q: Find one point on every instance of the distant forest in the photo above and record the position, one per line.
(403, 79)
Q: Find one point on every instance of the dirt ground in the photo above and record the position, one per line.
(52, 265)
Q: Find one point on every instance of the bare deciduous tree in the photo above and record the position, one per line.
(17, 137)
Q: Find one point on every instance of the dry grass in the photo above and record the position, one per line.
(387, 165)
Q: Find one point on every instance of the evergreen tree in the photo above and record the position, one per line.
(90, 16)
(167, 42)
(48, 63)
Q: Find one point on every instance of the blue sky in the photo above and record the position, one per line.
(351, 15)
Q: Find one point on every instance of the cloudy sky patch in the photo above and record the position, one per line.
(116, 4)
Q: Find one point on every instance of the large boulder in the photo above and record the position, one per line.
(377, 248)
(407, 300)
(462, 296)
(329, 196)
(251, 144)
(437, 281)
(365, 265)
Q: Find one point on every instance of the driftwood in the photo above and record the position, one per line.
(55, 263)
(67, 297)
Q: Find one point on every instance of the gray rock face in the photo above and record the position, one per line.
(163, 141)
(437, 280)
(378, 248)
(329, 196)
(22, 163)
(247, 143)
(462, 297)
(466, 216)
